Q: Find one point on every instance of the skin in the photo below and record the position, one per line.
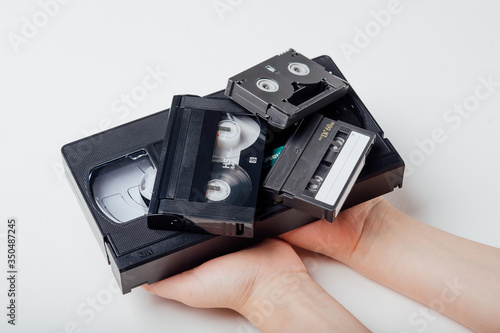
(269, 285)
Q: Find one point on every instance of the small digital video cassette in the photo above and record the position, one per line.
(285, 88)
(319, 165)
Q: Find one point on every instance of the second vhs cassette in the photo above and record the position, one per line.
(210, 168)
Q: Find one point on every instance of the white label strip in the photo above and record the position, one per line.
(342, 169)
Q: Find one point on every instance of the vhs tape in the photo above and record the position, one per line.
(210, 168)
(319, 165)
(111, 174)
(285, 88)
(105, 171)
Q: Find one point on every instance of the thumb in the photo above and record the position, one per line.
(184, 287)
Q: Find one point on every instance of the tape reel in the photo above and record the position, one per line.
(235, 134)
(228, 184)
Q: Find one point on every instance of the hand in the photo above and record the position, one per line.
(268, 284)
(348, 238)
(452, 275)
(231, 281)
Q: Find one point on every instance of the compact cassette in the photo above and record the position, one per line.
(285, 88)
(319, 165)
(111, 174)
(209, 168)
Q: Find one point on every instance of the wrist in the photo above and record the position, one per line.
(376, 221)
(294, 302)
(268, 304)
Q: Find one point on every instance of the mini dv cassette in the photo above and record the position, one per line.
(285, 88)
(319, 165)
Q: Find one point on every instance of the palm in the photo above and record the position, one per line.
(340, 238)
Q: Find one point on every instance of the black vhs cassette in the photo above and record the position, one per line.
(285, 88)
(106, 171)
(110, 174)
(210, 167)
(319, 165)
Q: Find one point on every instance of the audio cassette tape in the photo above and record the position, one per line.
(209, 168)
(111, 174)
(319, 165)
(285, 88)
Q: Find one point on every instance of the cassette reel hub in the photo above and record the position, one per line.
(218, 190)
(298, 68)
(267, 85)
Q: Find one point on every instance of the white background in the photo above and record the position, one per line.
(65, 80)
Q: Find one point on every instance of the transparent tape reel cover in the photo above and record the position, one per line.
(229, 183)
(122, 188)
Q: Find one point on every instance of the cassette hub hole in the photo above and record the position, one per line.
(229, 134)
(267, 85)
(298, 68)
(217, 190)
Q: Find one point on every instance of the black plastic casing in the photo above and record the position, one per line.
(307, 154)
(139, 255)
(297, 96)
(178, 201)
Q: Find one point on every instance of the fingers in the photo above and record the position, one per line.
(180, 287)
(229, 280)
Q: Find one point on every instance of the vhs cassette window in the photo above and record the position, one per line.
(122, 188)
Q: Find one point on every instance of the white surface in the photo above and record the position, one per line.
(69, 78)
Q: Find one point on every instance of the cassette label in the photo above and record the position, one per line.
(209, 169)
(339, 174)
(319, 165)
(285, 88)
